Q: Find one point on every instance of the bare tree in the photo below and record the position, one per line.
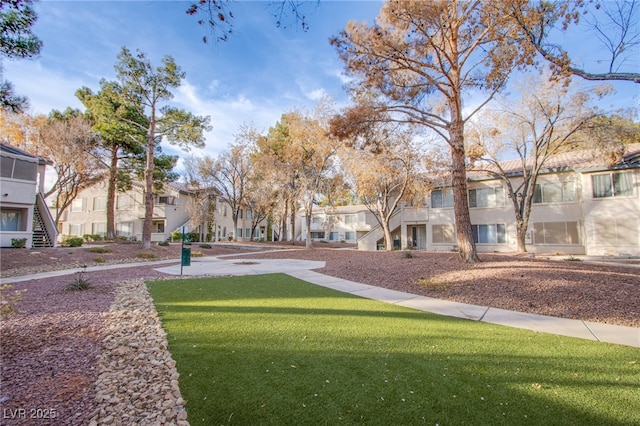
(546, 120)
(69, 142)
(614, 23)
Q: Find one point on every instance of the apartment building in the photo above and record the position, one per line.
(23, 212)
(341, 223)
(176, 207)
(580, 206)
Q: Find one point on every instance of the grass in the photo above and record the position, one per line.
(271, 349)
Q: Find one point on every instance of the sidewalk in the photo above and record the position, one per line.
(303, 269)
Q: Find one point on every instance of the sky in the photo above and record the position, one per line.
(253, 78)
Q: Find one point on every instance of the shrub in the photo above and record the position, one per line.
(163, 243)
(99, 259)
(408, 254)
(91, 237)
(99, 250)
(197, 254)
(18, 242)
(146, 255)
(435, 286)
(79, 284)
(72, 242)
(8, 300)
(176, 236)
(205, 246)
(572, 258)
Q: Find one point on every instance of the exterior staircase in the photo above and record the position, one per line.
(42, 235)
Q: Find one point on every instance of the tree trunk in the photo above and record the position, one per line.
(308, 243)
(466, 245)
(111, 195)
(388, 242)
(292, 221)
(521, 235)
(148, 194)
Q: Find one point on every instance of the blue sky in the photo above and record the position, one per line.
(253, 78)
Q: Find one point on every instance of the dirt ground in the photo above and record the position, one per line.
(49, 349)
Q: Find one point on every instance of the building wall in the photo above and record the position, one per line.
(342, 223)
(612, 223)
(565, 218)
(88, 214)
(18, 186)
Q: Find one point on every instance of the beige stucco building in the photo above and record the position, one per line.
(23, 212)
(581, 206)
(176, 207)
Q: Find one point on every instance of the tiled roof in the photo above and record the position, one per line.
(17, 151)
(581, 160)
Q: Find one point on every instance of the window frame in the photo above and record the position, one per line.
(611, 191)
(496, 191)
(500, 233)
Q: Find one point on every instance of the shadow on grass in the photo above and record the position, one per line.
(276, 350)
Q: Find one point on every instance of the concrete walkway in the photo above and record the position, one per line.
(303, 269)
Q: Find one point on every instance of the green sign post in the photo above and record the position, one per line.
(185, 258)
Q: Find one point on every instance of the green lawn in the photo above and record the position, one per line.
(272, 349)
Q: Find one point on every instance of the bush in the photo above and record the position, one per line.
(91, 237)
(8, 300)
(197, 254)
(99, 250)
(99, 259)
(18, 242)
(79, 283)
(205, 246)
(176, 236)
(409, 254)
(163, 243)
(72, 242)
(146, 255)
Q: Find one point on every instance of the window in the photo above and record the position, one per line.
(554, 192)
(13, 220)
(167, 199)
(256, 233)
(99, 229)
(615, 184)
(617, 232)
(334, 236)
(441, 198)
(239, 232)
(76, 229)
(240, 213)
(317, 235)
(77, 205)
(6, 167)
(157, 226)
(124, 229)
(224, 211)
(489, 234)
(248, 214)
(350, 236)
(124, 202)
(555, 233)
(486, 197)
(350, 218)
(443, 234)
(247, 233)
(224, 232)
(25, 170)
(316, 219)
(99, 204)
(19, 169)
